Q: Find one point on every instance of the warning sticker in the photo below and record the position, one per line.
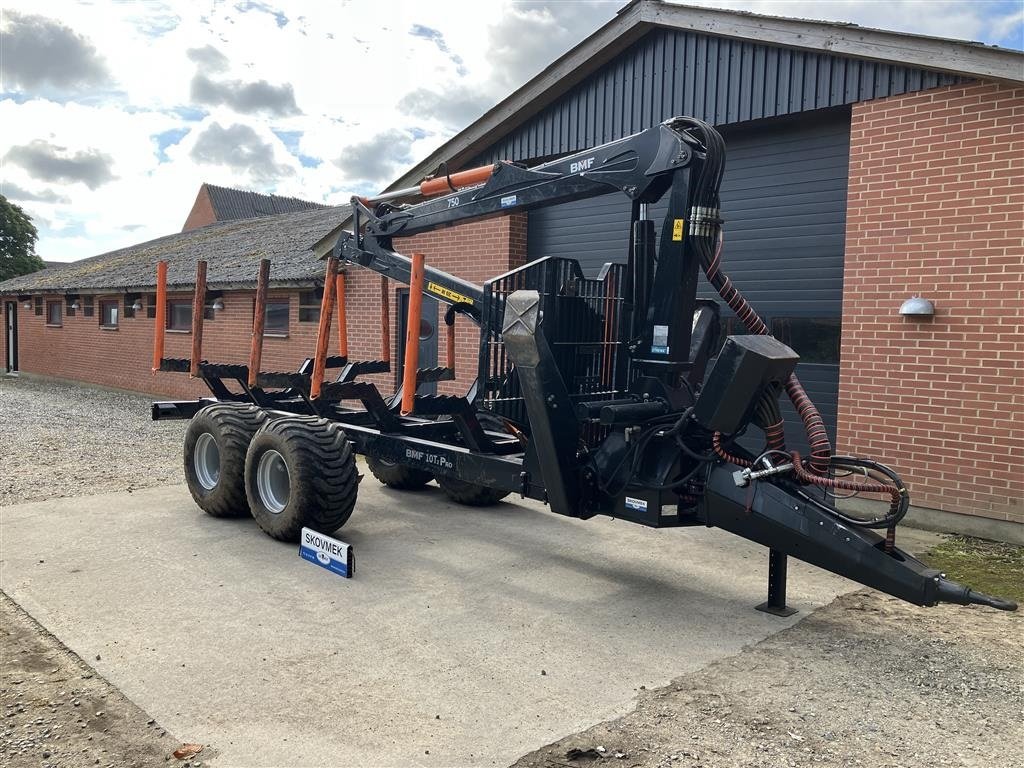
(447, 293)
(677, 229)
(659, 341)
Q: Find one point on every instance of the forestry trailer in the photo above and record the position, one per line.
(599, 396)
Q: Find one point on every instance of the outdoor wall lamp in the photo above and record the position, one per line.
(218, 305)
(28, 305)
(75, 304)
(916, 306)
(137, 306)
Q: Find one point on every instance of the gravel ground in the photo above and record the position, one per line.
(867, 680)
(58, 712)
(60, 439)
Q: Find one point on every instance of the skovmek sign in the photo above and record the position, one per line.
(336, 556)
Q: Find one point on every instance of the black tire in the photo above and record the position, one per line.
(398, 477)
(471, 494)
(222, 433)
(321, 481)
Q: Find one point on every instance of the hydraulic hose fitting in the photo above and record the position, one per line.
(953, 592)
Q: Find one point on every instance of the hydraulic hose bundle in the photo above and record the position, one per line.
(706, 236)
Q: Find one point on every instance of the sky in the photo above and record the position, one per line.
(113, 113)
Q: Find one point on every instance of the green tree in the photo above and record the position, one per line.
(17, 242)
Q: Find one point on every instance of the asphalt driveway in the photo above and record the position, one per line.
(467, 637)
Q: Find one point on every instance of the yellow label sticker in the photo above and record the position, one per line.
(453, 296)
(677, 229)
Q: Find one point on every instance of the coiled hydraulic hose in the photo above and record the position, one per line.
(722, 453)
(706, 234)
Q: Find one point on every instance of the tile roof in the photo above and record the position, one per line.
(230, 204)
(232, 249)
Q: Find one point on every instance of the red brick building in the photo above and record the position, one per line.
(865, 167)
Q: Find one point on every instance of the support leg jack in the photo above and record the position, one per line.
(776, 602)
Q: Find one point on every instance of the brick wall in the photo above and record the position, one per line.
(935, 209)
(476, 252)
(202, 212)
(80, 349)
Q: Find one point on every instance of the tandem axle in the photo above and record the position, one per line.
(611, 395)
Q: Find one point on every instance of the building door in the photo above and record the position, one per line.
(784, 205)
(11, 328)
(428, 337)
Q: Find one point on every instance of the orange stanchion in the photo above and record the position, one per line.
(259, 319)
(412, 334)
(198, 305)
(323, 334)
(385, 321)
(339, 290)
(160, 326)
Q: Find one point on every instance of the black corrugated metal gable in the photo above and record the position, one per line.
(724, 81)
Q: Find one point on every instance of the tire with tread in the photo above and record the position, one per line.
(232, 426)
(471, 494)
(322, 476)
(397, 476)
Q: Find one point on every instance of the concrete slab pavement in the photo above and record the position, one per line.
(467, 637)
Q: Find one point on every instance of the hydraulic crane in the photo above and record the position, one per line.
(599, 396)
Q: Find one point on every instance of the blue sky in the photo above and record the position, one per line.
(115, 113)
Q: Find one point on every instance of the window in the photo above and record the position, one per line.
(277, 317)
(815, 339)
(179, 315)
(69, 305)
(309, 305)
(108, 313)
(53, 313)
(87, 307)
(39, 306)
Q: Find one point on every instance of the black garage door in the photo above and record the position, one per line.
(784, 204)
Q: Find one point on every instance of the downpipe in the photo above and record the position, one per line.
(785, 519)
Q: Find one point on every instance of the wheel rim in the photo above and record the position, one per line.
(207, 461)
(273, 482)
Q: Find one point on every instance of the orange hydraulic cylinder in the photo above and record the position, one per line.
(412, 334)
(339, 290)
(160, 324)
(443, 184)
(323, 335)
(259, 318)
(198, 305)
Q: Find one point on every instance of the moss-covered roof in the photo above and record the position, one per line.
(232, 250)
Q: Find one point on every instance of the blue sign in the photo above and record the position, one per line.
(319, 549)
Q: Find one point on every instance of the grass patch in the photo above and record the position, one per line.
(986, 566)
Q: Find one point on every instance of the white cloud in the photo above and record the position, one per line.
(375, 87)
